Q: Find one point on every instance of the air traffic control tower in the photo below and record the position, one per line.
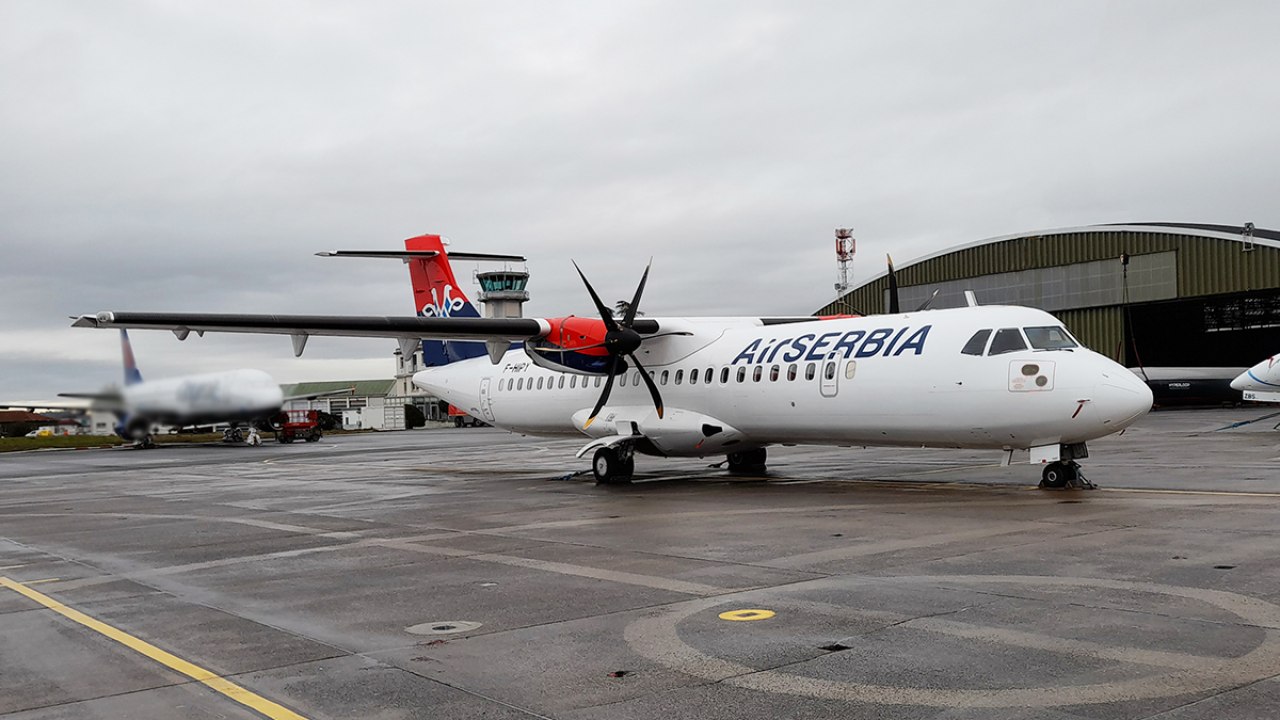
(503, 292)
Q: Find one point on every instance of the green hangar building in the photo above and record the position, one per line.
(1152, 294)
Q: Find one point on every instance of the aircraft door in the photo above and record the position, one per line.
(829, 375)
(486, 407)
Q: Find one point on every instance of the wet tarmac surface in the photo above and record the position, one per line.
(457, 574)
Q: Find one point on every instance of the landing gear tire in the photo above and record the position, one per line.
(1059, 475)
(609, 467)
(748, 460)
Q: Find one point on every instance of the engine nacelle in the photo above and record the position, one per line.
(574, 344)
(133, 428)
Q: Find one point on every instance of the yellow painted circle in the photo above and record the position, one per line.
(746, 615)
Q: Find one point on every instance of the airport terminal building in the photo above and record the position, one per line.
(1156, 294)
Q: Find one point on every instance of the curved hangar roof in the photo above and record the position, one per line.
(1079, 267)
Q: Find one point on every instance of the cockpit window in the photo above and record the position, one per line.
(1050, 338)
(1007, 340)
(977, 343)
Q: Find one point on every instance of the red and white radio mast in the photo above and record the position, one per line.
(846, 246)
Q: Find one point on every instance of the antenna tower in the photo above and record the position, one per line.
(845, 248)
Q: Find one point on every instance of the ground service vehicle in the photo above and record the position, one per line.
(304, 424)
(462, 419)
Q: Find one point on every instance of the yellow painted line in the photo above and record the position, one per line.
(1213, 493)
(746, 615)
(12, 567)
(173, 662)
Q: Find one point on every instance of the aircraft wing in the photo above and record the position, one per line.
(408, 330)
(43, 405)
(446, 328)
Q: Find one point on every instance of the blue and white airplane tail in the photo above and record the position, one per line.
(131, 374)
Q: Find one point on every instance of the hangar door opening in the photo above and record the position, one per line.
(1213, 331)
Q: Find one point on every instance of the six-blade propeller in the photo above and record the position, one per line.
(620, 341)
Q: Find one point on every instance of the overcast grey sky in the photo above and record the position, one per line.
(191, 156)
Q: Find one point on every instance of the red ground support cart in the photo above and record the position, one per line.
(296, 424)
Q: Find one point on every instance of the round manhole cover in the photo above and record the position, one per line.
(442, 627)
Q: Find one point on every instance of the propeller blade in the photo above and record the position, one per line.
(635, 301)
(925, 305)
(648, 381)
(604, 396)
(893, 287)
(605, 313)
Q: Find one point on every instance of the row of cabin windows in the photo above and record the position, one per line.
(704, 376)
(1007, 340)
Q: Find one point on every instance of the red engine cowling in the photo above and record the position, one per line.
(575, 344)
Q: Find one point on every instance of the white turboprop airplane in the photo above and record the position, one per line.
(1261, 382)
(998, 377)
(238, 397)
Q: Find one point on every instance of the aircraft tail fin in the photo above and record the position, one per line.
(437, 293)
(131, 374)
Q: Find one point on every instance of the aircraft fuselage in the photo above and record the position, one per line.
(879, 380)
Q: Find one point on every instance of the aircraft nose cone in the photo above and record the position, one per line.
(1122, 398)
(1241, 382)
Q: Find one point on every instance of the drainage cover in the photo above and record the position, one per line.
(443, 627)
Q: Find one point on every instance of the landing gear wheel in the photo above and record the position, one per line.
(748, 460)
(609, 467)
(1059, 474)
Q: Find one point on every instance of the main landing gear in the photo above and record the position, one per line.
(748, 460)
(1064, 474)
(614, 465)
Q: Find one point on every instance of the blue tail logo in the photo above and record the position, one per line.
(131, 374)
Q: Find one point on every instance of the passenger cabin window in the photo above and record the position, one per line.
(539, 383)
(679, 376)
(573, 382)
(791, 372)
(560, 384)
(724, 375)
(1050, 337)
(666, 375)
(520, 384)
(977, 343)
(755, 374)
(1007, 340)
(693, 377)
(742, 374)
(706, 377)
(810, 371)
(829, 372)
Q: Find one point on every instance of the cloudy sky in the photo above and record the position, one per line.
(191, 156)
